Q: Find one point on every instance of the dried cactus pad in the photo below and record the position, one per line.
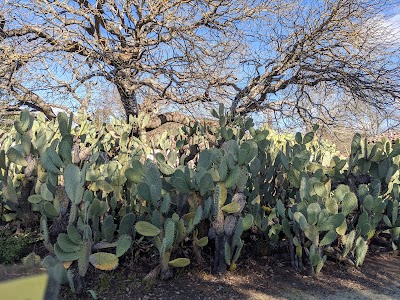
(104, 261)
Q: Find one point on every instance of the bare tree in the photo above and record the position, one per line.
(174, 49)
(343, 48)
(253, 55)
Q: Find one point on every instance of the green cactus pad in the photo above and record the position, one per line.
(35, 199)
(242, 179)
(232, 178)
(181, 230)
(202, 242)
(180, 184)
(165, 204)
(247, 222)
(308, 137)
(350, 203)
(65, 256)
(284, 160)
(54, 157)
(220, 195)
(63, 121)
(207, 207)
(26, 143)
(237, 251)
(108, 228)
(312, 234)
(313, 211)
(255, 166)
(65, 148)
(198, 215)
(73, 234)
(46, 193)
(66, 244)
(16, 157)
(328, 239)
(126, 226)
(299, 218)
(25, 121)
(205, 159)
(44, 228)
(364, 227)
(348, 241)
(94, 208)
(50, 210)
(223, 169)
(147, 229)
(153, 180)
(72, 182)
(228, 254)
(320, 190)
(298, 138)
(341, 230)
(314, 259)
(83, 261)
(395, 211)
(2, 159)
(135, 174)
(286, 228)
(175, 217)
(341, 192)
(104, 186)
(169, 233)
(331, 205)
(206, 184)
(332, 223)
(123, 244)
(231, 208)
(238, 232)
(179, 262)
(280, 208)
(361, 251)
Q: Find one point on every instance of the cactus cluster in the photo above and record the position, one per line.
(99, 190)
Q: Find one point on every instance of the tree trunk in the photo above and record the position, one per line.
(129, 102)
(126, 92)
(219, 255)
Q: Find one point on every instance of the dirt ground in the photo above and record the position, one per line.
(264, 278)
(261, 279)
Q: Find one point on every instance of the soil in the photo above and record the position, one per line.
(262, 278)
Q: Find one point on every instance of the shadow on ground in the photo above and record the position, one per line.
(261, 279)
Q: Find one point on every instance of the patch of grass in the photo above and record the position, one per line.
(11, 248)
(104, 283)
(116, 282)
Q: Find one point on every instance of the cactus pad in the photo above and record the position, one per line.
(179, 262)
(104, 261)
(147, 229)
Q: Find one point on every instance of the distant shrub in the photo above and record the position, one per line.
(11, 248)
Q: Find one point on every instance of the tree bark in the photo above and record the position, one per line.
(129, 102)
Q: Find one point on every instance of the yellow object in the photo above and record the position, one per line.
(267, 209)
(232, 267)
(28, 288)
(104, 261)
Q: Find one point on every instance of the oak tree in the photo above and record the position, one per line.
(285, 57)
